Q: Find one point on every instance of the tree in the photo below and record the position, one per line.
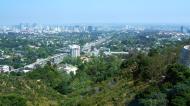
(153, 52)
(12, 100)
(47, 74)
(178, 101)
(176, 73)
(64, 88)
(153, 97)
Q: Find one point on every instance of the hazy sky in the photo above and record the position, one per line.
(94, 11)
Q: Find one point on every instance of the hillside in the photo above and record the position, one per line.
(31, 92)
(153, 79)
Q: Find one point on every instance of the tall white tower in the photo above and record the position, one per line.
(75, 50)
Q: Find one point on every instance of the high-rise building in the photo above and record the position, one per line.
(75, 50)
(90, 29)
(185, 55)
(182, 29)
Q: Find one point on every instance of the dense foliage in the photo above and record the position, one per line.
(174, 90)
(12, 100)
(154, 79)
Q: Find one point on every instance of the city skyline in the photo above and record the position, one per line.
(94, 11)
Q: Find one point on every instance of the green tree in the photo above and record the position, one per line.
(176, 73)
(64, 88)
(48, 74)
(12, 100)
(178, 101)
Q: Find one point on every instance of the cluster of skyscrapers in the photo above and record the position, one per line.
(36, 28)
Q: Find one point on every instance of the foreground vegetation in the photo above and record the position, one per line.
(154, 79)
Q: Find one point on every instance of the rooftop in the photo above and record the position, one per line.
(74, 46)
(187, 47)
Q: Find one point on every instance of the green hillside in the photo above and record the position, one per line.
(154, 79)
(32, 92)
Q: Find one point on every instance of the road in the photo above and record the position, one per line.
(55, 59)
(87, 46)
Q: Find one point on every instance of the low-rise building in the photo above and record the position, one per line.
(70, 69)
(5, 68)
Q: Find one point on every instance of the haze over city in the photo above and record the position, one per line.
(94, 11)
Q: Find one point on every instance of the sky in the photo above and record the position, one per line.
(94, 11)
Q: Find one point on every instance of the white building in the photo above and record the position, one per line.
(70, 68)
(75, 50)
(4, 68)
